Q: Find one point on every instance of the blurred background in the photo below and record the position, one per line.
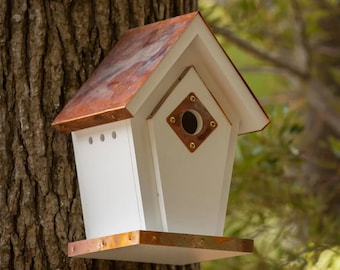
(285, 190)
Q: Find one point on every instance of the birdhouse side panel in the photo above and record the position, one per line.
(146, 170)
(108, 179)
(227, 175)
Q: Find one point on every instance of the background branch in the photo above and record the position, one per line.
(245, 45)
(301, 35)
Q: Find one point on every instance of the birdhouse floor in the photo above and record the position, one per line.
(160, 247)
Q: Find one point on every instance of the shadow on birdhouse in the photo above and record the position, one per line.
(154, 130)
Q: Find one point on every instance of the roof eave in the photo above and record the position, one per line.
(100, 118)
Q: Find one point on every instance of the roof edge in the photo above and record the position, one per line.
(264, 113)
(88, 121)
(257, 130)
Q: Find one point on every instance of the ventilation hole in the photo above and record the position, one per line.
(90, 140)
(114, 135)
(102, 137)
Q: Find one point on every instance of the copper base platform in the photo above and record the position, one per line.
(160, 247)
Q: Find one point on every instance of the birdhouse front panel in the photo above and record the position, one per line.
(108, 179)
(192, 141)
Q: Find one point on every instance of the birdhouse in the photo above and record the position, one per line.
(154, 132)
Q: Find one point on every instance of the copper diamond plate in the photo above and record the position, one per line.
(206, 123)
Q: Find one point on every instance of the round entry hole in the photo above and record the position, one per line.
(191, 122)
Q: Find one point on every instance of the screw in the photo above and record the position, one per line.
(212, 124)
(192, 98)
(172, 119)
(192, 145)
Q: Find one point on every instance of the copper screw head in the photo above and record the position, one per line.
(192, 98)
(172, 119)
(212, 124)
(192, 145)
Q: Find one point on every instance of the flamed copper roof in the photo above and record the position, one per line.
(104, 96)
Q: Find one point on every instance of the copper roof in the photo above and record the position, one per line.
(104, 96)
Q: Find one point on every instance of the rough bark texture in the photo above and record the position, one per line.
(47, 49)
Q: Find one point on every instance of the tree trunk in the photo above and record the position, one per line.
(48, 48)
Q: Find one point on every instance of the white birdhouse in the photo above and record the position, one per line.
(154, 131)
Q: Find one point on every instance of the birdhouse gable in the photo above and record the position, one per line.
(198, 47)
(142, 58)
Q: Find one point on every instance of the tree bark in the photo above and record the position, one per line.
(47, 50)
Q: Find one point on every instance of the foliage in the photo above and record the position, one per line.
(285, 181)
